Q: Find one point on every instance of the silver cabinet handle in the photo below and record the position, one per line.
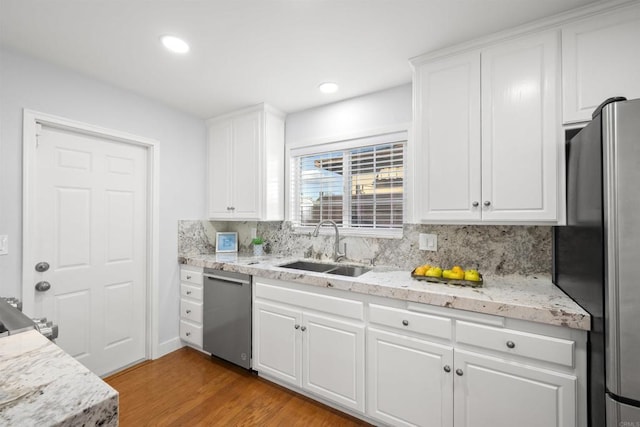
(188, 311)
(188, 334)
(188, 292)
(487, 203)
(42, 266)
(296, 326)
(475, 204)
(188, 277)
(447, 368)
(511, 344)
(303, 328)
(459, 372)
(405, 322)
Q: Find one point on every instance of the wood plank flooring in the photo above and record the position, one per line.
(189, 388)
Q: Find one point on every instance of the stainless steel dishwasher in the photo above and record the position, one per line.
(227, 316)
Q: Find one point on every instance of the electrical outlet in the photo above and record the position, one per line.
(4, 244)
(428, 242)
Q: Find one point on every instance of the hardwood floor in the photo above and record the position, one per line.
(188, 388)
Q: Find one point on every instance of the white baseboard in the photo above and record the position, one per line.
(169, 346)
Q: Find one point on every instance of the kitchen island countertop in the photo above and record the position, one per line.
(534, 298)
(41, 385)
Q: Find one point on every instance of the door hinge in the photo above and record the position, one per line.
(38, 133)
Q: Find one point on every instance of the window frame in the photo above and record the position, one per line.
(345, 144)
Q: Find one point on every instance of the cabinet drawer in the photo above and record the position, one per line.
(191, 310)
(191, 291)
(406, 320)
(191, 333)
(191, 276)
(524, 344)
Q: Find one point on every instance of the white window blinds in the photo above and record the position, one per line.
(360, 186)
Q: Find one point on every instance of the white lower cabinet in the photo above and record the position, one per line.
(425, 366)
(492, 392)
(191, 290)
(409, 380)
(318, 352)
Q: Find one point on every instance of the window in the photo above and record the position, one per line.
(359, 184)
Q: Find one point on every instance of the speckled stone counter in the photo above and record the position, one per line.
(532, 298)
(41, 385)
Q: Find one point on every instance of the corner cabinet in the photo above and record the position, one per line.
(245, 163)
(600, 60)
(487, 127)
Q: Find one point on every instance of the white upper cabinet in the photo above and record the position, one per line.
(521, 147)
(487, 132)
(447, 111)
(600, 59)
(246, 165)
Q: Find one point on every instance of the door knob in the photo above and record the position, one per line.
(43, 286)
(41, 267)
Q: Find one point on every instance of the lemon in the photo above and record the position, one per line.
(457, 269)
(419, 271)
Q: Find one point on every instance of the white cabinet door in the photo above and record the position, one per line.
(333, 364)
(277, 342)
(520, 129)
(245, 166)
(447, 161)
(600, 60)
(407, 382)
(219, 168)
(491, 392)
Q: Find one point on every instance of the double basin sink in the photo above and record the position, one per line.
(320, 267)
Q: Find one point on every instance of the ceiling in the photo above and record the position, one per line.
(244, 52)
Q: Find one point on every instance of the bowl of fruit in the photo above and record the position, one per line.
(454, 276)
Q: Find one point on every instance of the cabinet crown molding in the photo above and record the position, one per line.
(547, 23)
(263, 106)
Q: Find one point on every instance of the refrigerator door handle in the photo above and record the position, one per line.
(611, 252)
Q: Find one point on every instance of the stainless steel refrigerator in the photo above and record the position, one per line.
(597, 256)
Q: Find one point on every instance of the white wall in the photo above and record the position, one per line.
(373, 111)
(36, 85)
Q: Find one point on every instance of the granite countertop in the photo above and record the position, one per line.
(41, 385)
(532, 298)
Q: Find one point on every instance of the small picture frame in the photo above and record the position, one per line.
(227, 242)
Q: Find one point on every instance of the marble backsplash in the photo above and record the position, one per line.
(488, 248)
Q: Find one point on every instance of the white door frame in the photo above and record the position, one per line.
(31, 120)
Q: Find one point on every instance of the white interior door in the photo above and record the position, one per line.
(89, 222)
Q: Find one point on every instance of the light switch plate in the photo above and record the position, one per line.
(4, 244)
(428, 242)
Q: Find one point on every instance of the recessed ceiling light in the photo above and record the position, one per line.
(328, 87)
(175, 44)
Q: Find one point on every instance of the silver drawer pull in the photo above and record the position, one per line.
(459, 372)
(487, 203)
(296, 326)
(303, 328)
(188, 277)
(188, 334)
(447, 368)
(511, 344)
(475, 204)
(188, 292)
(188, 311)
(405, 322)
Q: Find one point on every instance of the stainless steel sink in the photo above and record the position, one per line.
(320, 267)
(349, 270)
(310, 266)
